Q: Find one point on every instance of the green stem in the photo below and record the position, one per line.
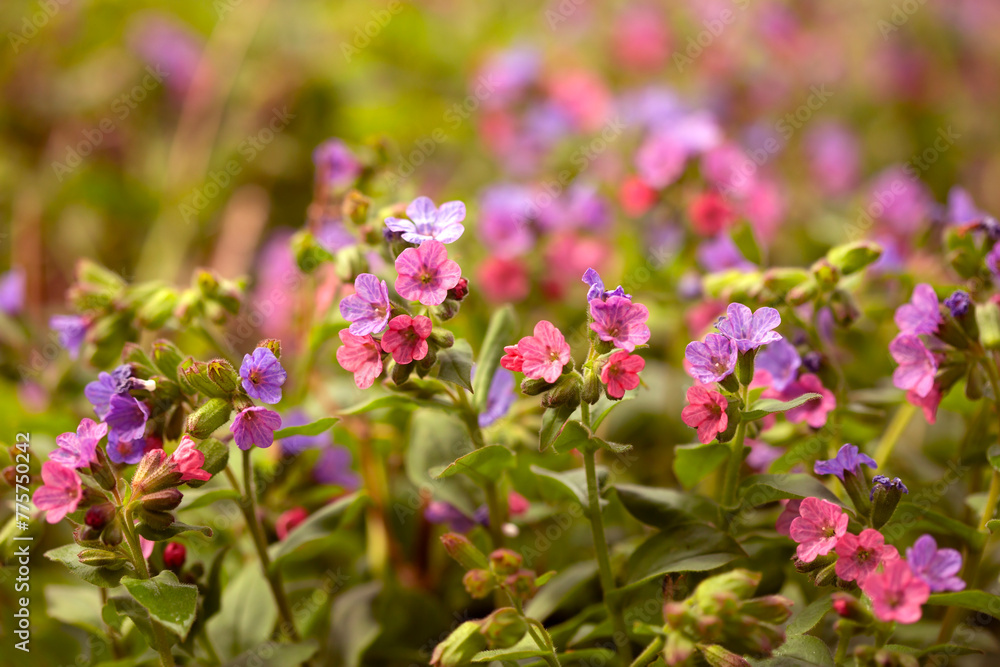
(843, 641)
(139, 561)
(601, 546)
(732, 478)
(649, 654)
(543, 641)
(897, 426)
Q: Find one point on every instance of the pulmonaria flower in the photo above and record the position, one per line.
(847, 462)
(791, 512)
(334, 467)
(818, 528)
(661, 158)
(921, 315)
(620, 321)
(542, 355)
(938, 568)
(712, 360)
(188, 461)
(814, 411)
(929, 403)
(860, 555)
(499, 398)
(621, 372)
(12, 292)
(781, 361)
(439, 512)
(512, 359)
(77, 450)
(360, 355)
(255, 426)
(721, 254)
(579, 207)
(896, 593)
(60, 492)
(901, 202)
(834, 157)
(126, 451)
(958, 303)
(705, 411)
(100, 391)
(426, 222)
(596, 290)
(884, 481)
(917, 366)
(126, 418)
(406, 338)
(262, 375)
(336, 165)
(503, 280)
(961, 208)
(505, 213)
(289, 520)
(296, 444)
(710, 214)
(426, 274)
(749, 330)
(71, 330)
(636, 197)
(368, 308)
(762, 455)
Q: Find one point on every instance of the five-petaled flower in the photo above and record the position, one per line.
(621, 372)
(938, 568)
(818, 528)
(848, 461)
(620, 321)
(917, 366)
(126, 418)
(896, 593)
(749, 330)
(860, 555)
(368, 308)
(60, 493)
(427, 223)
(262, 375)
(706, 411)
(77, 450)
(100, 391)
(188, 461)
(542, 355)
(712, 360)
(406, 338)
(426, 274)
(922, 314)
(255, 426)
(360, 355)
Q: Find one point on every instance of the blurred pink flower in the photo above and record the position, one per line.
(897, 593)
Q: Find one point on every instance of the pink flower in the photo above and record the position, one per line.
(819, 527)
(406, 338)
(60, 493)
(146, 547)
(360, 355)
(897, 593)
(620, 321)
(791, 512)
(706, 411)
(503, 280)
(512, 359)
(621, 372)
(77, 450)
(543, 354)
(426, 274)
(917, 366)
(859, 555)
(188, 460)
(929, 403)
(812, 412)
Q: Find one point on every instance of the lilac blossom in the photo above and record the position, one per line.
(368, 308)
(262, 375)
(77, 450)
(100, 391)
(781, 361)
(427, 222)
(938, 568)
(749, 330)
(126, 418)
(255, 426)
(712, 360)
(917, 366)
(620, 321)
(847, 462)
(128, 451)
(921, 315)
(596, 285)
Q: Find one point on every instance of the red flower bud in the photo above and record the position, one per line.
(173, 555)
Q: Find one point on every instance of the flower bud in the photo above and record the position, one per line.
(465, 552)
(592, 386)
(818, 564)
(154, 311)
(167, 357)
(825, 273)
(401, 372)
(849, 258)
(448, 309)
(173, 556)
(521, 584)
(150, 466)
(730, 383)
(162, 501)
(503, 628)
(193, 375)
(289, 520)
(827, 576)
(272, 344)
(885, 496)
(98, 516)
(355, 207)
(849, 607)
(10, 476)
(223, 375)
(678, 649)
(733, 415)
(101, 558)
(770, 608)
(112, 534)
(534, 386)
(479, 583)
(505, 561)
(441, 338)
(716, 656)
(803, 293)
(459, 647)
(204, 421)
(744, 367)
(565, 392)
(459, 291)
(845, 311)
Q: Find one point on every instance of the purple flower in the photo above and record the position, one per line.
(597, 291)
(712, 360)
(749, 330)
(126, 451)
(720, 254)
(620, 321)
(958, 303)
(499, 398)
(847, 462)
(580, 207)
(510, 72)
(255, 426)
(336, 165)
(100, 391)
(368, 308)
(917, 366)
(71, 330)
(126, 418)
(12, 292)
(263, 375)
(427, 222)
(504, 221)
(883, 481)
(834, 157)
(438, 512)
(334, 467)
(77, 450)
(171, 47)
(938, 568)
(901, 202)
(297, 444)
(921, 315)
(961, 208)
(661, 158)
(781, 360)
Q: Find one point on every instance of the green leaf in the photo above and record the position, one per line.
(198, 499)
(980, 601)
(525, 648)
(664, 508)
(561, 587)
(318, 526)
(499, 332)
(75, 605)
(993, 455)
(99, 576)
(569, 485)
(607, 411)
(910, 516)
(762, 489)
(455, 364)
(171, 531)
(553, 420)
(804, 650)
(216, 459)
(807, 619)
(127, 606)
(314, 428)
(692, 463)
(693, 547)
(574, 435)
(353, 624)
(942, 649)
(744, 240)
(247, 615)
(993, 525)
(168, 601)
(390, 401)
(484, 463)
(273, 654)
(767, 406)
(436, 440)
